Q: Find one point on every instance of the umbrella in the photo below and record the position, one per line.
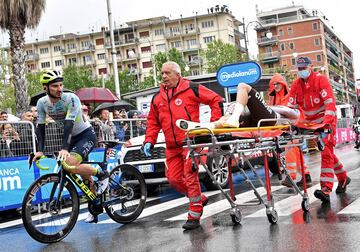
(35, 98)
(95, 94)
(12, 118)
(118, 105)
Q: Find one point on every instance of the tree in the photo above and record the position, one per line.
(78, 77)
(219, 53)
(35, 85)
(172, 55)
(15, 16)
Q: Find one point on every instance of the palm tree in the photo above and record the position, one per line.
(15, 16)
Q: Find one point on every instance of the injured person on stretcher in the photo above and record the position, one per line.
(247, 111)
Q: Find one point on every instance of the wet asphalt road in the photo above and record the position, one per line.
(327, 227)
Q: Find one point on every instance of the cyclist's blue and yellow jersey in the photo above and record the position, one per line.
(67, 108)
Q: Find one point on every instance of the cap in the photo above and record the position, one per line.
(303, 62)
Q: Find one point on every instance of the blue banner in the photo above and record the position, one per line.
(16, 177)
(244, 72)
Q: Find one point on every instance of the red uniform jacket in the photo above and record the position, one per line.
(315, 97)
(181, 102)
(282, 97)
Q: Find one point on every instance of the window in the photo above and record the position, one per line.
(281, 32)
(146, 49)
(290, 30)
(209, 39)
(318, 58)
(292, 45)
(176, 44)
(293, 61)
(102, 71)
(57, 48)
(44, 50)
(207, 24)
(45, 64)
(99, 41)
(268, 49)
(230, 23)
(159, 32)
(282, 47)
(72, 61)
(189, 27)
(191, 42)
(85, 43)
(58, 62)
(315, 26)
(144, 34)
(147, 64)
(160, 47)
(174, 29)
(317, 41)
(87, 58)
(101, 56)
(195, 72)
(29, 52)
(71, 46)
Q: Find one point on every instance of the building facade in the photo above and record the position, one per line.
(136, 44)
(299, 32)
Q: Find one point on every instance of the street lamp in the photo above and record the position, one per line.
(268, 34)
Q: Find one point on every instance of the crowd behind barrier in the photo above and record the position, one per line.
(18, 139)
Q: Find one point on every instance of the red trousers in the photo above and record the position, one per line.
(181, 176)
(330, 164)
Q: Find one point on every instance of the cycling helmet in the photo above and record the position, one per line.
(51, 76)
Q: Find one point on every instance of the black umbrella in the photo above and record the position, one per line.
(111, 106)
(34, 99)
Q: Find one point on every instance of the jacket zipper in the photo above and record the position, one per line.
(171, 120)
(187, 113)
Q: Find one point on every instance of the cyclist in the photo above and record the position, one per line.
(79, 137)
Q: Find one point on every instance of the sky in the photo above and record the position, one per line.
(62, 16)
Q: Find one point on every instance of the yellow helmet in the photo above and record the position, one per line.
(51, 76)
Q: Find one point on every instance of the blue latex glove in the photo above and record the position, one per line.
(148, 149)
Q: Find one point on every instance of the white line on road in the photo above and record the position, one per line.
(223, 205)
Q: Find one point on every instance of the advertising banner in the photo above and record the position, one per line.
(244, 72)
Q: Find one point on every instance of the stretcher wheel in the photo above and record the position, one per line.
(305, 205)
(236, 216)
(273, 216)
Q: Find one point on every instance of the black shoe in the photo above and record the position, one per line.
(342, 185)
(287, 182)
(323, 195)
(191, 224)
(307, 179)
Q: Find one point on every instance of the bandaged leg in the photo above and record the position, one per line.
(233, 120)
(188, 125)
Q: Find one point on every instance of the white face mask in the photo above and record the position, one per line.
(304, 73)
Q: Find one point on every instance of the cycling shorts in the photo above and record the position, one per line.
(83, 143)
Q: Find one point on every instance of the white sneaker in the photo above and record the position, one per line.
(102, 183)
(91, 218)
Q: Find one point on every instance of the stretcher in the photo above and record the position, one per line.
(236, 143)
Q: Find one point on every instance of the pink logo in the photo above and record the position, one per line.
(178, 102)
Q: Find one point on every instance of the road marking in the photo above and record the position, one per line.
(353, 208)
(223, 205)
(163, 207)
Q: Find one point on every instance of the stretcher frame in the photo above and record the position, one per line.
(218, 146)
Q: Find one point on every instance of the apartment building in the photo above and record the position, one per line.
(136, 43)
(296, 32)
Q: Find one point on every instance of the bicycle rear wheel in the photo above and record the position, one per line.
(127, 194)
(43, 219)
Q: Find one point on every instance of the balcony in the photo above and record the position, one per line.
(170, 34)
(267, 41)
(274, 21)
(350, 84)
(238, 33)
(69, 51)
(348, 57)
(32, 57)
(194, 62)
(270, 57)
(331, 41)
(192, 32)
(191, 48)
(87, 48)
(332, 55)
(338, 86)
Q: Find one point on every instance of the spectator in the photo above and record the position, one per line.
(107, 128)
(138, 129)
(34, 112)
(27, 116)
(85, 113)
(119, 125)
(8, 135)
(3, 116)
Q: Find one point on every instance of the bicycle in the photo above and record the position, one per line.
(51, 205)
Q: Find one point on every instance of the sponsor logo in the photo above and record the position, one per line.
(323, 93)
(225, 76)
(10, 179)
(258, 96)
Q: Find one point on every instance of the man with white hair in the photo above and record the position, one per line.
(179, 98)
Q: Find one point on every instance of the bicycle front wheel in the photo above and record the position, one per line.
(48, 213)
(127, 194)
